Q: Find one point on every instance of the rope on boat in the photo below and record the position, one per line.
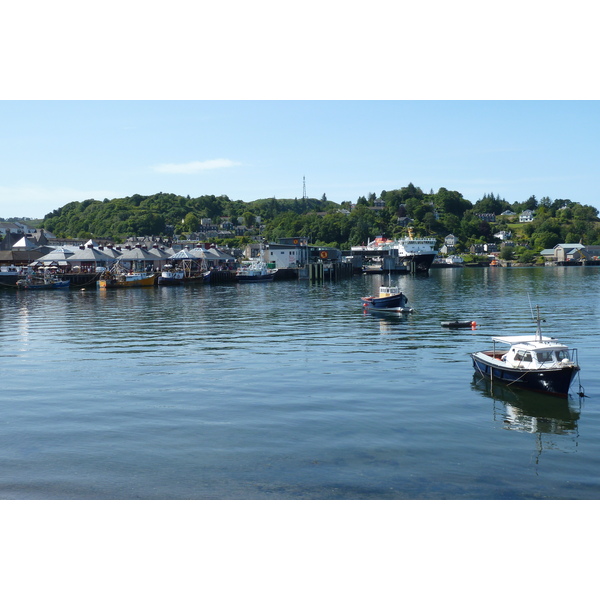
(492, 375)
(581, 391)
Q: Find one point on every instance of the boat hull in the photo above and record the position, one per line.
(53, 285)
(112, 283)
(399, 309)
(555, 381)
(394, 303)
(254, 278)
(170, 281)
(458, 324)
(422, 262)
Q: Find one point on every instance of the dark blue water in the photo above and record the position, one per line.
(288, 390)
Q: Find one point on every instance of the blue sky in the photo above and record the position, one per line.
(55, 152)
(246, 100)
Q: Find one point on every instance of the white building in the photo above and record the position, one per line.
(526, 216)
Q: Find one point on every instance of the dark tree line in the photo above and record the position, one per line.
(327, 223)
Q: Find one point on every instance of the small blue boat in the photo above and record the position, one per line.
(390, 299)
(35, 281)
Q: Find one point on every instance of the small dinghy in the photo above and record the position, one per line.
(459, 324)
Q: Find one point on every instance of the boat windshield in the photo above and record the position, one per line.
(545, 356)
(552, 356)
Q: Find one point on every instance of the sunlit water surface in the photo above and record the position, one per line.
(287, 390)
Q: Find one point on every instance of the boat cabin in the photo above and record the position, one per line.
(529, 353)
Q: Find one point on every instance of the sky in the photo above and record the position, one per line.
(58, 151)
(247, 100)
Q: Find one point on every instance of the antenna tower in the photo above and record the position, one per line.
(303, 188)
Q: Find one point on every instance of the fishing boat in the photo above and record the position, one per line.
(390, 299)
(171, 276)
(254, 272)
(9, 275)
(534, 362)
(42, 281)
(127, 280)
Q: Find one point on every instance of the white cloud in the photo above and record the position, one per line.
(196, 166)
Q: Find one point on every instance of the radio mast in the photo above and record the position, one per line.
(303, 188)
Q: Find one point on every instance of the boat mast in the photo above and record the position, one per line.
(538, 321)
(538, 331)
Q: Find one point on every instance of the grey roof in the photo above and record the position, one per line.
(89, 254)
(137, 254)
(111, 252)
(161, 252)
(184, 254)
(58, 254)
(24, 242)
(569, 246)
(219, 254)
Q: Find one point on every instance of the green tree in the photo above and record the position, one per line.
(191, 222)
(249, 219)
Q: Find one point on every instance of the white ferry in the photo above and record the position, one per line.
(418, 251)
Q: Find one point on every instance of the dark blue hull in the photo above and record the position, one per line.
(396, 301)
(550, 381)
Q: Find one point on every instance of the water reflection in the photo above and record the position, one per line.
(547, 417)
(387, 321)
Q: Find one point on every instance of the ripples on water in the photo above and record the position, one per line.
(288, 390)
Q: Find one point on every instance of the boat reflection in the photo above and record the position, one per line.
(386, 320)
(533, 412)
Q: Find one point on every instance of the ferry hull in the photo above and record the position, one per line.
(422, 262)
(550, 381)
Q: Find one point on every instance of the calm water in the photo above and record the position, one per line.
(288, 391)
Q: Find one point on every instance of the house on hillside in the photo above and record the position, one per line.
(449, 246)
(526, 216)
(14, 227)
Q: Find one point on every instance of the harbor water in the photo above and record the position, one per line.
(288, 390)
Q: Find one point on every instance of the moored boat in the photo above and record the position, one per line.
(459, 324)
(120, 280)
(42, 281)
(254, 272)
(532, 361)
(10, 274)
(419, 253)
(171, 277)
(390, 299)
